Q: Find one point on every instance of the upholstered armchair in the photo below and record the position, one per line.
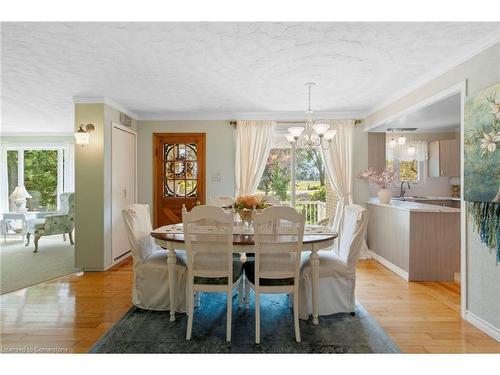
(61, 222)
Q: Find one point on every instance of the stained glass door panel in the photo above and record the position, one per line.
(181, 160)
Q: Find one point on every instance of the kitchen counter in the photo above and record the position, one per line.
(417, 241)
(427, 198)
(413, 206)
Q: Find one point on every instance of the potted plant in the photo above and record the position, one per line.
(383, 179)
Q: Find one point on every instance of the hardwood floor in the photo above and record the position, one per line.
(71, 313)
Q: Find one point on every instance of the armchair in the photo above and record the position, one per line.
(61, 222)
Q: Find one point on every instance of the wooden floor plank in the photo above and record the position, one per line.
(73, 312)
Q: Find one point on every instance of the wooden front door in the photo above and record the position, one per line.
(178, 175)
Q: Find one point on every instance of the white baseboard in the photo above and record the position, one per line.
(484, 326)
(398, 271)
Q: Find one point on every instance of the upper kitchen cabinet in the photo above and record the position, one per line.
(444, 158)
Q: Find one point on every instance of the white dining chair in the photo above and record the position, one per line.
(337, 269)
(208, 235)
(222, 201)
(150, 289)
(278, 236)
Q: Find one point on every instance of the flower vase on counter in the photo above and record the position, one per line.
(384, 196)
(383, 180)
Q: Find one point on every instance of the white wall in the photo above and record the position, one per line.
(220, 153)
(483, 274)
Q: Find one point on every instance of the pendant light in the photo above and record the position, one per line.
(402, 139)
(392, 142)
(411, 150)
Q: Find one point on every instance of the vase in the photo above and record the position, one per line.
(246, 219)
(384, 196)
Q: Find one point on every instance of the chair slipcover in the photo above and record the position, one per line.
(337, 270)
(151, 286)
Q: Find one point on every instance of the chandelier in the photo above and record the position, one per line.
(314, 134)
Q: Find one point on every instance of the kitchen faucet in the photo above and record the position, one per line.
(402, 191)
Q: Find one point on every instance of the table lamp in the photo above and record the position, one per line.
(455, 187)
(19, 196)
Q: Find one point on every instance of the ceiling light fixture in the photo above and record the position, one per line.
(392, 142)
(314, 132)
(411, 150)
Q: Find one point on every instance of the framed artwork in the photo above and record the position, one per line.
(482, 146)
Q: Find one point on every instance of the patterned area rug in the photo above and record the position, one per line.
(141, 331)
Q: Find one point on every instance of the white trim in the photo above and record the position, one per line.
(483, 325)
(487, 42)
(295, 115)
(103, 100)
(422, 104)
(398, 271)
(34, 146)
(60, 174)
(38, 134)
(20, 165)
(463, 217)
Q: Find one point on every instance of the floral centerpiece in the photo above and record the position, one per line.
(384, 180)
(245, 204)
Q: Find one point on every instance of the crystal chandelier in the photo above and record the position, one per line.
(314, 133)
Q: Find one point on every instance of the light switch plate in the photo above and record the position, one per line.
(216, 177)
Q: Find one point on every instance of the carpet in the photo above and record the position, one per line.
(141, 331)
(20, 267)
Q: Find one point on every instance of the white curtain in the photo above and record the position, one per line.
(253, 143)
(400, 152)
(338, 165)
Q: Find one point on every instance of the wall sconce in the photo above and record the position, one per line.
(82, 135)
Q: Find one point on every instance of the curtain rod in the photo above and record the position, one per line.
(234, 122)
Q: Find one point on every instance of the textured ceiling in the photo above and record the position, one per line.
(197, 69)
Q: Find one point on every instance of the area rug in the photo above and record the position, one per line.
(20, 267)
(141, 331)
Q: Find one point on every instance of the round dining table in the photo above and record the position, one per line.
(171, 238)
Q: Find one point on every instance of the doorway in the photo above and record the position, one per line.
(178, 175)
(432, 129)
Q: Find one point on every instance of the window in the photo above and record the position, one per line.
(181, 170)
(407, 170)
(40, 179)
(309, 193)
(45, 172)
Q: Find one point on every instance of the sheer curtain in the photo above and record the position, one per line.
(253, 143)
(400, 152)
(338, 165)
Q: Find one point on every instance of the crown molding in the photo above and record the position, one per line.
(246, 116)
(443, 68)
(104, 100)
